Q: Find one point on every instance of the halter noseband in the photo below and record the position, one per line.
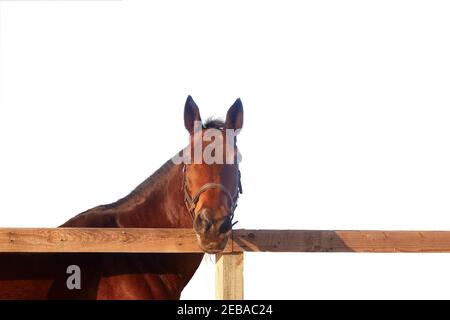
(191, 202)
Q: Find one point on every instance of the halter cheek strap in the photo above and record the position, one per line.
(191, 202)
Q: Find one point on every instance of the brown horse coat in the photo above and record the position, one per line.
(154, 204)
(157, 203)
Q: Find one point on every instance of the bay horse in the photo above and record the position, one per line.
(178, 195)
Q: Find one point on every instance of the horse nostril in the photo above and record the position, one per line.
(202, 222)
(225, 226)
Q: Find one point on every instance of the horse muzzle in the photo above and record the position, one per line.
(212, 246)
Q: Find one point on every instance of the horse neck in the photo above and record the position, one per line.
(158, 203)
(161, 205)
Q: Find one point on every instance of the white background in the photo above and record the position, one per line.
(347, 111)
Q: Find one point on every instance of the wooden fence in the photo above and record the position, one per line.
(229, 263)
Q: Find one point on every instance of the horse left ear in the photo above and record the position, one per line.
(235, 116)
(191, 115)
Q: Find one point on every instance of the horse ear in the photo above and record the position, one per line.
(235, 116)
(191, 114)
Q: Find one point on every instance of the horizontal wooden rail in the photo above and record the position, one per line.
(134, 240)
(229, 265)
(340, 241)
(102, 240)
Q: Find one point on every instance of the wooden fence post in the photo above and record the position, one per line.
(230, 276)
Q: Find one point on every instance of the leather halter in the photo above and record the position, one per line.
(191, 202)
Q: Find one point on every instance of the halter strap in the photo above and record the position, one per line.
(191, 202)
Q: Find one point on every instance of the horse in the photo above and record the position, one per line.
(180, 194)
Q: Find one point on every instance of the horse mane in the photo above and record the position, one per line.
(214, 123)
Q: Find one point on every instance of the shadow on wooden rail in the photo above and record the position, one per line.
(340, 241)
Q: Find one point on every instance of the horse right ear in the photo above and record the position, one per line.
(191, 115)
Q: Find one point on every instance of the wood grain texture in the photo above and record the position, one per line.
(141, 240)
(340, 241)
(230, 276)
(102, 240)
